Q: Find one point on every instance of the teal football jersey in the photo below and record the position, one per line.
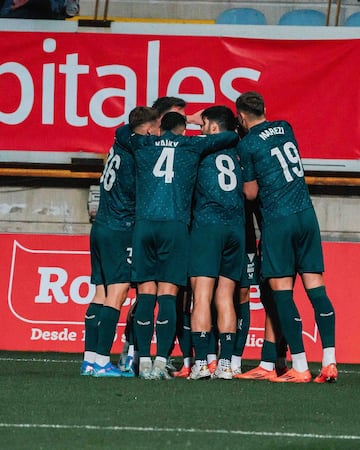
(117, 190)
(269, 154)
(166, 168)
(218, 197)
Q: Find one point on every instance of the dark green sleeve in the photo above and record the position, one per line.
(122, 137)
(213, 142)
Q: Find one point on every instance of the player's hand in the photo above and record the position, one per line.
(195, 118)
(18, 4)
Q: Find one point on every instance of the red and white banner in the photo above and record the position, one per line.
(45, 289)
(69, 91)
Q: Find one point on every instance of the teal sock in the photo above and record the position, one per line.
(165, 324)
(184, 337)
(242, 329)
(226, 345)
(200, 341)
(290, 320)
(91, 326)
(268, 352)
(213, 342)
(129, 328)
(324, 315)
(144, 323)
(109, 318)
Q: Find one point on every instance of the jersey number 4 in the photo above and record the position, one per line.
(164, 166)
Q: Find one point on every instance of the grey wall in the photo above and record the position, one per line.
(65, 211)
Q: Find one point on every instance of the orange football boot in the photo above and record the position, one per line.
(184, 372)
(293, 376)
(328, 374)
(212, 366)
(258, 373)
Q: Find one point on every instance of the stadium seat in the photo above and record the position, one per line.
(241, 16)
(310, 17)
(353, 20)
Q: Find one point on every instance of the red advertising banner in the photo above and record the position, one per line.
(45, 289)
(69, 91)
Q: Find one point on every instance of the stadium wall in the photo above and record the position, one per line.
(208, 10)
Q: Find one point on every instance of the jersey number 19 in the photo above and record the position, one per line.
(291, 156)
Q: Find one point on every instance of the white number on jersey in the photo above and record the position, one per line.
(129, 258)
(227, 178)
(292, 156)
(108, 176)
(166, 159)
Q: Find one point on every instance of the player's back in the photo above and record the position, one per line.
(218, 194)
(269, 154)
(117, 190)
(166, 169)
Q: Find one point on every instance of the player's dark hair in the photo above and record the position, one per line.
(222, 115)
(142, 114)
(172, 120)
(251, 102)
(163, 104)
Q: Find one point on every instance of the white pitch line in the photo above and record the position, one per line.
(78, 361)
(178, 430)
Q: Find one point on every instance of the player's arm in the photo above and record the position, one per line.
(195, 119)
(250, 186)
(214, 142)
(123, 137)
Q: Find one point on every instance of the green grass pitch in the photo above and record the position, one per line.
(46, 404)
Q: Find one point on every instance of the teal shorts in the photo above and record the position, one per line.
(292, 245)
(251, 270)
(217, 250)
(161, 251)
(110, 253)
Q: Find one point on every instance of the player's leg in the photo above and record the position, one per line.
(201, 324)
(226, 322)
(171, 369)
(279, 258)
(325, 320)
(213, 347)
(92, 317)
(172, 240)
(144, 257)
(183, 327)
(109, 317)
(273, 333)
(207, 244)
(144, 325)
(311, 267)
(165, 327)
(129, 357)
(249, 277)
(291, 326)
(273, 352)
(113, 247)
(242, 309)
